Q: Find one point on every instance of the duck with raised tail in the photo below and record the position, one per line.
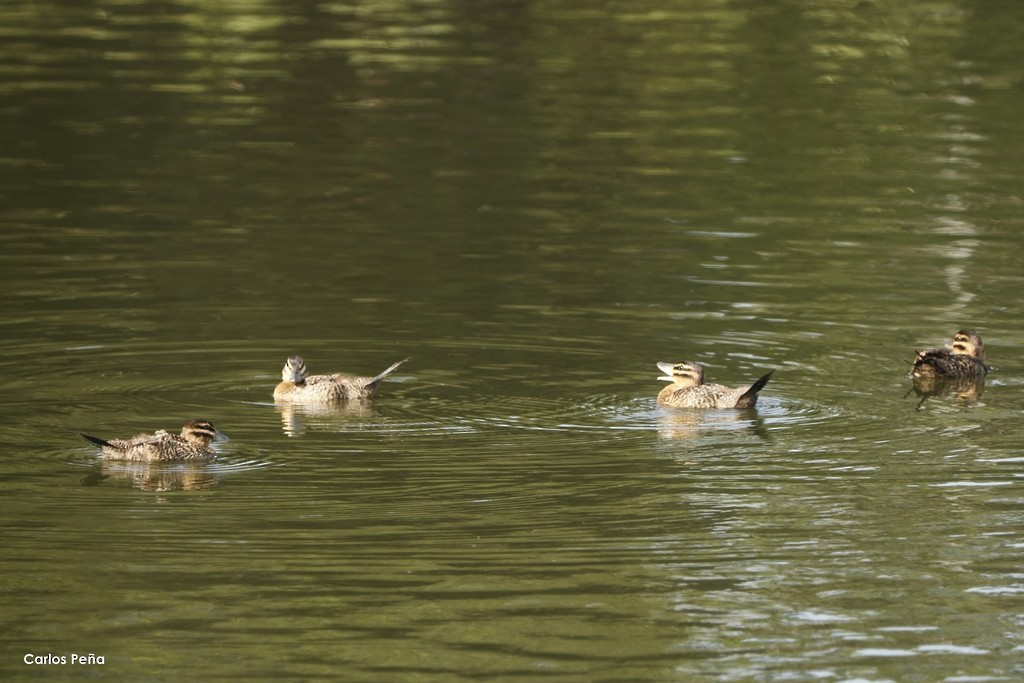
(298, 386)
(688, 389)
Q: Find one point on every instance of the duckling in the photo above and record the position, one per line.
(964, 359)
(689, 391)
(298, 386)
(192, 444)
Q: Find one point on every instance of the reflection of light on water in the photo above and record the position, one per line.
(996, 590)
(971, 484)
(956, 274)
(946, 225)
(817, 617)
(940, 648)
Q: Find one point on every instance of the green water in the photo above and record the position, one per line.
(537, 202)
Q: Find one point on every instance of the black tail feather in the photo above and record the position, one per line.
(385, 373)
(93, 439)
(749, 397)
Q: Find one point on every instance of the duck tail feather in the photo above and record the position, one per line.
(385, 373)
(93, 439)
(749, 397)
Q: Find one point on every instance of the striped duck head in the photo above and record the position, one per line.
(968, 343)
(294, 370)
(201, 433)
(684, 374)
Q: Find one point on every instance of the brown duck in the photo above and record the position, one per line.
(965, 358)
(688, 389)
(193, 443)
(298, 386)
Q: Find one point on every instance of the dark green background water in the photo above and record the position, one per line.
(537, 201)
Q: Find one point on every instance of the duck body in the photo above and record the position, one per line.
(298, 386)
(688, 389)
(964, 359)
(943, 364)
(193, 443)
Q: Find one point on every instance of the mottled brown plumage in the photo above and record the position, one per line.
(193, 443)
(965, 358)
(688, 389)
(298, 386)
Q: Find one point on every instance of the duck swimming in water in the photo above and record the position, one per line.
(965, 358)
(193, 443)
(688, 389)
(298, 386)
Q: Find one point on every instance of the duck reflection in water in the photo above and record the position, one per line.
(964, 389)
(156, 477)
(957, 370)
(694, 424)
(710, 406)
(296, 418)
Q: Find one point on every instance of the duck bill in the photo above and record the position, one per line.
(667, 369)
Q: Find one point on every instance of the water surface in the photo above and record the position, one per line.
(537, 202)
